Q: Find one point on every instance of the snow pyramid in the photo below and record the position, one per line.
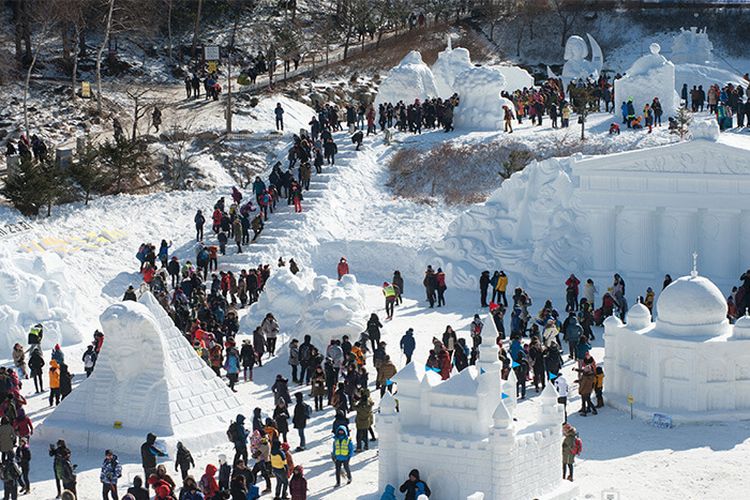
(35, 289)
(149, 379)
(411, 79)
(307, 304)
(481, 107)
(450, 63)
(650, 76)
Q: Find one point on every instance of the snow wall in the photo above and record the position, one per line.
(481, 107)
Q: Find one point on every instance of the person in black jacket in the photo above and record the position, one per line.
(484, 285)
(302, 412)
(183, 460)
(414, 487)
(373, 330)
(149, 452)
(137, 490)
(36, 362)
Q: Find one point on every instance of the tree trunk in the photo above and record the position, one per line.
(347, 40)
(66, 42)
(105, 41)
(42, 36)
(492, 32)
(26, 32)
(196, 29)
(169, 28)
(73, 74)
(17, 9)
(135, 120)
(519, 39)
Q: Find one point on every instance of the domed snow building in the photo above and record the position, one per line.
(690, 363)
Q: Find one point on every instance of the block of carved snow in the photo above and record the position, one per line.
(411, 79)
(481, 107)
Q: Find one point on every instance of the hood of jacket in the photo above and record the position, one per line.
(211, 470)
(341, 428)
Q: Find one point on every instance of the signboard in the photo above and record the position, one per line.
(86, 90)
(211, 53)
(212, 66)
(13, 229)
(631, 399)
(661, 421)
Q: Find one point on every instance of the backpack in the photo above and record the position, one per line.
(233, 433)
(308, 411)
(577, 447)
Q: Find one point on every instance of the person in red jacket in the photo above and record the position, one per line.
(208, 484)
(441, 287)
(444, 362)
(298, 484)
(571, 293)
(217, 216)
(342, 268)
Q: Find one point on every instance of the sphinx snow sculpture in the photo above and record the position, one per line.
(481, 107)
(411, 79)
(576, 65)
(650, 76)
(148, 378)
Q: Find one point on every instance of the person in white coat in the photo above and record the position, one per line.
(562, 393)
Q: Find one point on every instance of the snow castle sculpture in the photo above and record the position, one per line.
(149, 379)
(467, 416)
(650, 76)
(576, 66)
(411, 79)
(670, 365)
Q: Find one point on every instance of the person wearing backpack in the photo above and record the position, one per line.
(414, 487)
(571, 447)
(237, 434)
(305, 359)
(11, 473)
(89, 360)
(302, 412)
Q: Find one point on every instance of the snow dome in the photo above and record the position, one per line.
(411, 79)
(692, 306)
(638, 316)
(669, 366)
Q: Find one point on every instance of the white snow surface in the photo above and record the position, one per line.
(411, 79)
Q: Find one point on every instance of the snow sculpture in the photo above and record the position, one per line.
(705, 129)
(466, 415)
(669, 365)
(528, 225)
(450, 63)
(35, 289)
(516, 78)
(636, 213)
(650, 76)
(150, 379)
(692, 46)
(315, 305)
(576, 65)
(481, 107)
(411, 79)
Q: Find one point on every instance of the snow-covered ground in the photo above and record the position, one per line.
(350, 212)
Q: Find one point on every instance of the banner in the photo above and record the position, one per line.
(9, 230)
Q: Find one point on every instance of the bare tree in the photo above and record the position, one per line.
(47, 22)
(197, 27)
(181, 153)
(105, 41)
(139, 108)
(567, 11)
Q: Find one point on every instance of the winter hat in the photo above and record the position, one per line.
(415, 473)
(222, 459)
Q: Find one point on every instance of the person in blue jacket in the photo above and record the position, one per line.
(389, 493)
(342, 452)
(624, 111)
(515, 347)
(408, 344)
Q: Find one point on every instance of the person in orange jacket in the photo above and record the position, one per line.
(54, 382)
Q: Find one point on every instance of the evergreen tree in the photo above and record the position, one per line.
(87, 172)
(683, 120)
(24, 187)
(122, 160)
